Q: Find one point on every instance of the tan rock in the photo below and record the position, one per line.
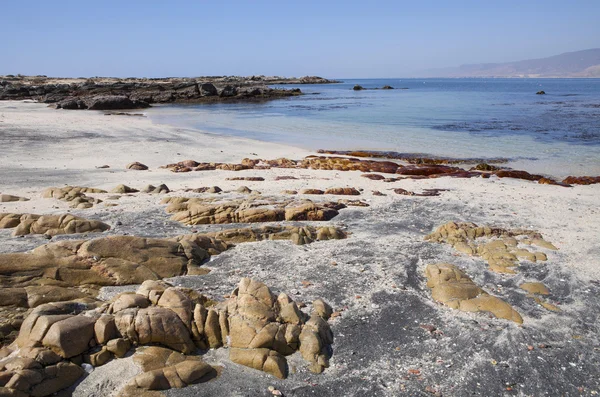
(119, 347)
(265, 360)
(57, 377)
(122, 189)
(71, 336)
(452, 287)
(51, 225)
(535, 288)
(105, 329)
(127, 300)
(7, 198)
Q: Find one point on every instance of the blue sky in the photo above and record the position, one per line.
(329, 38)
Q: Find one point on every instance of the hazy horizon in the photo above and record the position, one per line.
(336, 40)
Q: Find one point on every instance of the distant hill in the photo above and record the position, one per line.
(584, 63)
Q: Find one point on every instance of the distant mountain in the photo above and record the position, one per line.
(584, 63)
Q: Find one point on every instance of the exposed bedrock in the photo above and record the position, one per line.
(50, 225)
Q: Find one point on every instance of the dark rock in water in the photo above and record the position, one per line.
(541, 93)
(111, 102)
(387, 87)
(358, 88)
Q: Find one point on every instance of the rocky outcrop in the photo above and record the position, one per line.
(259, 327)
(112, 94)
(499, 247)
(75, 195)
(196, 211)
(50, 225)
(343, 191)
(452, 287)
(101, 102)
(123, 189)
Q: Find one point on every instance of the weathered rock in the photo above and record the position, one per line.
(7, 198)
(501, 254)
(262, 359)
(535, 288)
(358, 87)
(137, 166)
(57, 377)
(76, 195)
(113, 102)
(194, 211)
(121, 189)
(311, 191)
(156, 189)
(344, 191)
(71, 336)
(105, 329)
(119, 347)
(581, 180)
(452, 287)
(50, 225)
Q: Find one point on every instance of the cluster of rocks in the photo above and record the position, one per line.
(124, 189)
(75, 195)
(452, 287)
(113, 94)
(195, 211)
(501, 249)
(50, 225)
(424, 193)
(9, 198)
(338, 191)
(420, 169)
(77, 269)
(259, 328)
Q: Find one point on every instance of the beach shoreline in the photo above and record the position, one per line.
(374, 277)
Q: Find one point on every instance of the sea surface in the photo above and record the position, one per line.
(556, 134)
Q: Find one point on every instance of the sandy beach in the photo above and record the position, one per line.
(390, 336)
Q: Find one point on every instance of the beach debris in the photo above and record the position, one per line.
(452, 287)
(137, 166)
(206, 189)
(50, 225)
(500, 249)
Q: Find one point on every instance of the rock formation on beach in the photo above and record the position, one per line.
(259, 328)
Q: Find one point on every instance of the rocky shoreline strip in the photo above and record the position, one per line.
(100, 93)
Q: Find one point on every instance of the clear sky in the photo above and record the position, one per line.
(329, 38)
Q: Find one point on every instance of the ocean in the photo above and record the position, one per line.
(556, 134)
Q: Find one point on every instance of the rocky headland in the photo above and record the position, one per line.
(101, 93)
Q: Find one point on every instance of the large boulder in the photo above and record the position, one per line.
(114, 102)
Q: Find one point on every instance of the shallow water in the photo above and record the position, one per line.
(556, 134)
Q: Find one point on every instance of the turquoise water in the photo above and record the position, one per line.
(556, 134)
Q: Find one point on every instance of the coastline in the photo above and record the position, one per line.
(378, 274)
